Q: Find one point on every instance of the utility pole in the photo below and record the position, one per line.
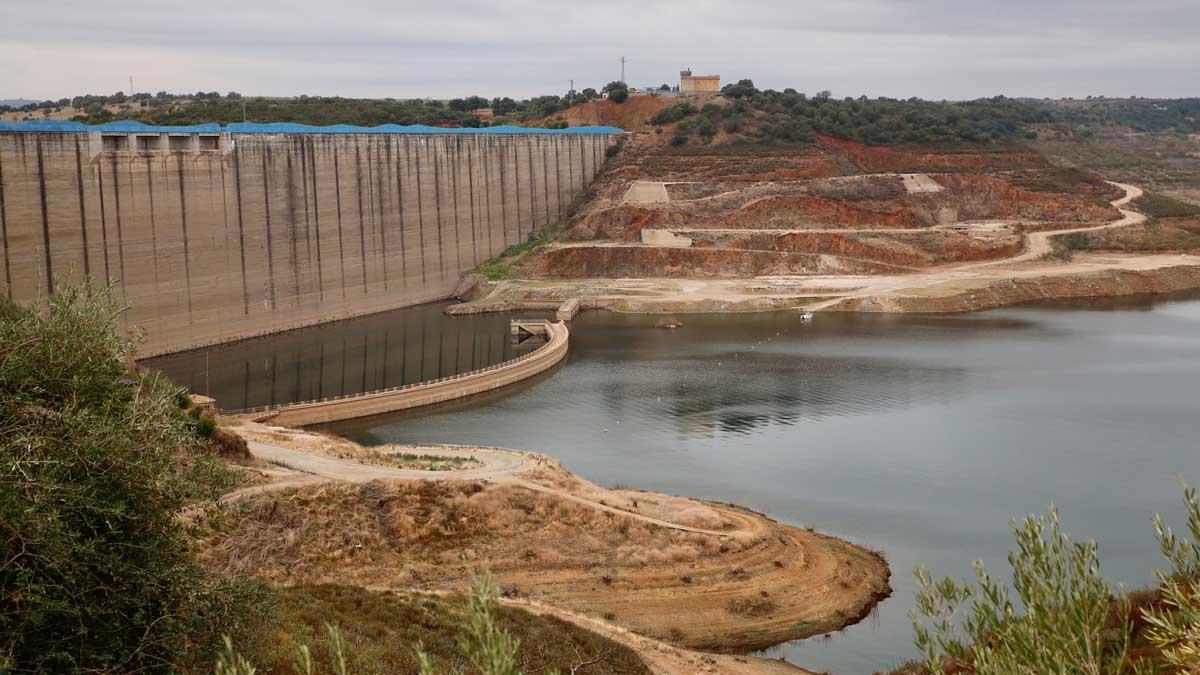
(622, 68)
(571, 91)
(131, 85)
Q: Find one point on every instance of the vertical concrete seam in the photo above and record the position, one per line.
(120, 228)
(187, 265)
(362, 225)
(99, 171)
(437, 203)
(264, 150)
(83, 230)
(420, 208)
(337, 191)
(237, 190)
(49, 263)
(8, 289)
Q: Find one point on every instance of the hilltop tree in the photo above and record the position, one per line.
(743, 89)
(617, 91)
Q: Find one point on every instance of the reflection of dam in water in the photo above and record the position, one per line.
(374, 352)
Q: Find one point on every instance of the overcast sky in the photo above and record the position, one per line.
(446, 48)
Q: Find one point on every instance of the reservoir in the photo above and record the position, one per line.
(920, 436)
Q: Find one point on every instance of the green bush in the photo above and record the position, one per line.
(1064, 618)
(1162, 206)
(205, 427)
(95, 463)
(673, 113)
(618, 95)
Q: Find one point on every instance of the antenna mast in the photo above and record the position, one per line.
(622, 68)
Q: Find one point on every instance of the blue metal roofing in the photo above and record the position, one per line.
(133, 127)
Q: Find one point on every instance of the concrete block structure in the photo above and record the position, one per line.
(692, 83)
(212, 234)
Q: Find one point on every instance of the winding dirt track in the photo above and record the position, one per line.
(1037, 245)
(499, 466)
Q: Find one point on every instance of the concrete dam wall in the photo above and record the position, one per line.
(215, 235)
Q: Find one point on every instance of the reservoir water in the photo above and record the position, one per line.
(920, 436)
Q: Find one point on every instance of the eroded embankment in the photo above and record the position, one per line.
(692, 573)
(668, 262)
(986, 293)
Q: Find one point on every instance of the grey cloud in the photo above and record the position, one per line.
(929, 48)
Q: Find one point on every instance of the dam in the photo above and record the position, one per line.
(211, 234)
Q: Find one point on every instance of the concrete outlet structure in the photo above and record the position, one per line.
(214, 234)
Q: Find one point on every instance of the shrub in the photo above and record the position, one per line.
(205, 427)
(1064, 619)
(1162, 206)
(673, 113)
(1175, 627)
(618, 95)
(743, 89)
(1063, 247)
(1063, 600)
(98, 575)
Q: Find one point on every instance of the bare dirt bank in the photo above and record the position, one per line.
(984, 293)
(1035, 273)
(693, 574)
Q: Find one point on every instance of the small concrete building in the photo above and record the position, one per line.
(690, 82)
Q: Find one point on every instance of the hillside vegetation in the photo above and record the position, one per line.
(165, 108)
(96, 460)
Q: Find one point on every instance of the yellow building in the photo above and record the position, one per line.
(689, 82)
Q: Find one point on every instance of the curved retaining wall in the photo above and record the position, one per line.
(423, 393)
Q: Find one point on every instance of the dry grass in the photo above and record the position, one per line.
(384, 629)
(1168, 234)
(653, 505)
(431, 533)
(756, 606)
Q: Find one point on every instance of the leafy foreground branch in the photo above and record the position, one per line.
(1064, 618)
(96, 460)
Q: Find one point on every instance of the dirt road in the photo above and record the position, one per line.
(498, 465)
(1038, 245)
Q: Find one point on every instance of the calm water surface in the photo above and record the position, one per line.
(373, 352)
(918, 436)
